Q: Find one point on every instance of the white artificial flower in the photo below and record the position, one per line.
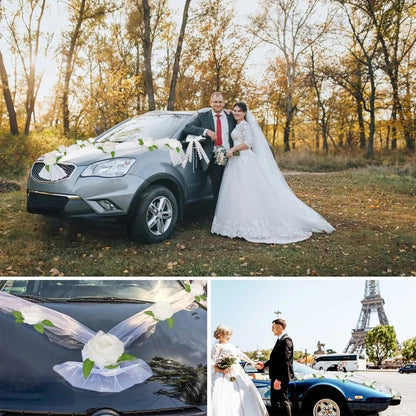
(104, 349)
(32, 315)
(62, 149)
(108, 147)
(162, 310)
(50, 158)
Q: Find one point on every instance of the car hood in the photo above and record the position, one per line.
(29, 383)
(87, 152)
(355, 377)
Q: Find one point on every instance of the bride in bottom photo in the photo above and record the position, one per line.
(233, 392)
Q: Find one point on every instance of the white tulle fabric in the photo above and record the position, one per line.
(238, 397)
(70, 333)
(255, 202)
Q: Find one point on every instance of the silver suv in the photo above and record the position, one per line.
(130, 172)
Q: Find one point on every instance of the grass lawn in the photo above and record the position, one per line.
(373, 211)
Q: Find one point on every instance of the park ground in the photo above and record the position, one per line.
(372, 209)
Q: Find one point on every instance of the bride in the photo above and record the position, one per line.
(233, 393)
(255, 202)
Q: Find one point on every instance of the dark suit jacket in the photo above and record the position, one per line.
(280, 362)
(204, 121)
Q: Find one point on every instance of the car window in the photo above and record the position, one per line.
(143, 290)
(155, 126)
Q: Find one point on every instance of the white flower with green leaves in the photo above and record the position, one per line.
(32, 315)
(161, 311)
(103, 351)
(195, 290)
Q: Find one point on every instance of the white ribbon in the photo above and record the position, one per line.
(194, 144)
(70, 333)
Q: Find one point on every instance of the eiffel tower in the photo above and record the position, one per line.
(372, 302)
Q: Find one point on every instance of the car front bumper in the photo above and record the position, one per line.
(78, 197)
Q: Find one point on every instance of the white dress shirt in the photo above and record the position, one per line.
(224, 128)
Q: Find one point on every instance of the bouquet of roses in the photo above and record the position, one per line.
(220, 155)
(226, 362)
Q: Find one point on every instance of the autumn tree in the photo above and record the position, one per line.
(210, 56)
(380, 343)
(28, 42)
(8, 99)
(84, 15)
(291, 27)
(393, 26)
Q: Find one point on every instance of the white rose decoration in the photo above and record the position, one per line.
(32, 315)
(162, 310)
(104, 349)
(108, 147)
(50, 158)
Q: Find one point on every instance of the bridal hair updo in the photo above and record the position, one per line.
(222, 330)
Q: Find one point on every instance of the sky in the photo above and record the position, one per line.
(315, 310)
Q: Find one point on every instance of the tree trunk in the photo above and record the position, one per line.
(175, 70)
(359, 108)
(147, 51)
(14, 129)
(69, 66)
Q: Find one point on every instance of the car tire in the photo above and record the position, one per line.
(326, 403)
(154, 216)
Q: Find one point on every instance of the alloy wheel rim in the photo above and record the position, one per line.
(326, 407)
(159, 215)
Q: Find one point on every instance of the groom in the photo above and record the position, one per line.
(280, 366)
(216, 125)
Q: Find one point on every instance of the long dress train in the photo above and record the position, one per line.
(255, 202)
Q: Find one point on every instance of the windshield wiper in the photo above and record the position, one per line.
(105, 299)
(36, 298)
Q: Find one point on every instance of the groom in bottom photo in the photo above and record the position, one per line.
(280, 366)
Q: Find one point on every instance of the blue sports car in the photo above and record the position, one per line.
(316, 393)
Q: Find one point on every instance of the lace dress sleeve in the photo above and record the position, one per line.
(246, 134)
(215, 353)
(243, 356)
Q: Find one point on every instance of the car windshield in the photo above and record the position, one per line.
(93, 290)
(155, 126)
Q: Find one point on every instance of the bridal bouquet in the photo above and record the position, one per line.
(220, 155)
(226, 362)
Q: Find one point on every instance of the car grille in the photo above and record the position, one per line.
(44, 203)
(193, 411)
(38, 166)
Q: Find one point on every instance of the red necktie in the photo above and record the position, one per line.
(218, 142)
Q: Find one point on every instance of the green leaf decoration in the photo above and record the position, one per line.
(187, 288)
(141, 142)
(112, 367)
(150, 313)
(58, 158)
(46, 322)
(40, 328)
(178, 150)
(19, 321)
(150, 148)
(17, 315)
(155, 147)
(170, 322)
(47, 167)
(113, 153)
(168, 145)
(126, 357)
(203, 297)
(87, 367)
(197, 298)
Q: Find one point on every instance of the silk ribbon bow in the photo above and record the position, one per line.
(190, 157)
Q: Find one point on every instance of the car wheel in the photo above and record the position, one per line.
(155, 215)
(327, 405)
(401, 371)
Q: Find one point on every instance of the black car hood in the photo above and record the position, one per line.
(28, 382)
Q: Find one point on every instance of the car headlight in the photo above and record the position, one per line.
(109, 168)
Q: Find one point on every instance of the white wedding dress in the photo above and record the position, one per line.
(238, 397)
(255, 202)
